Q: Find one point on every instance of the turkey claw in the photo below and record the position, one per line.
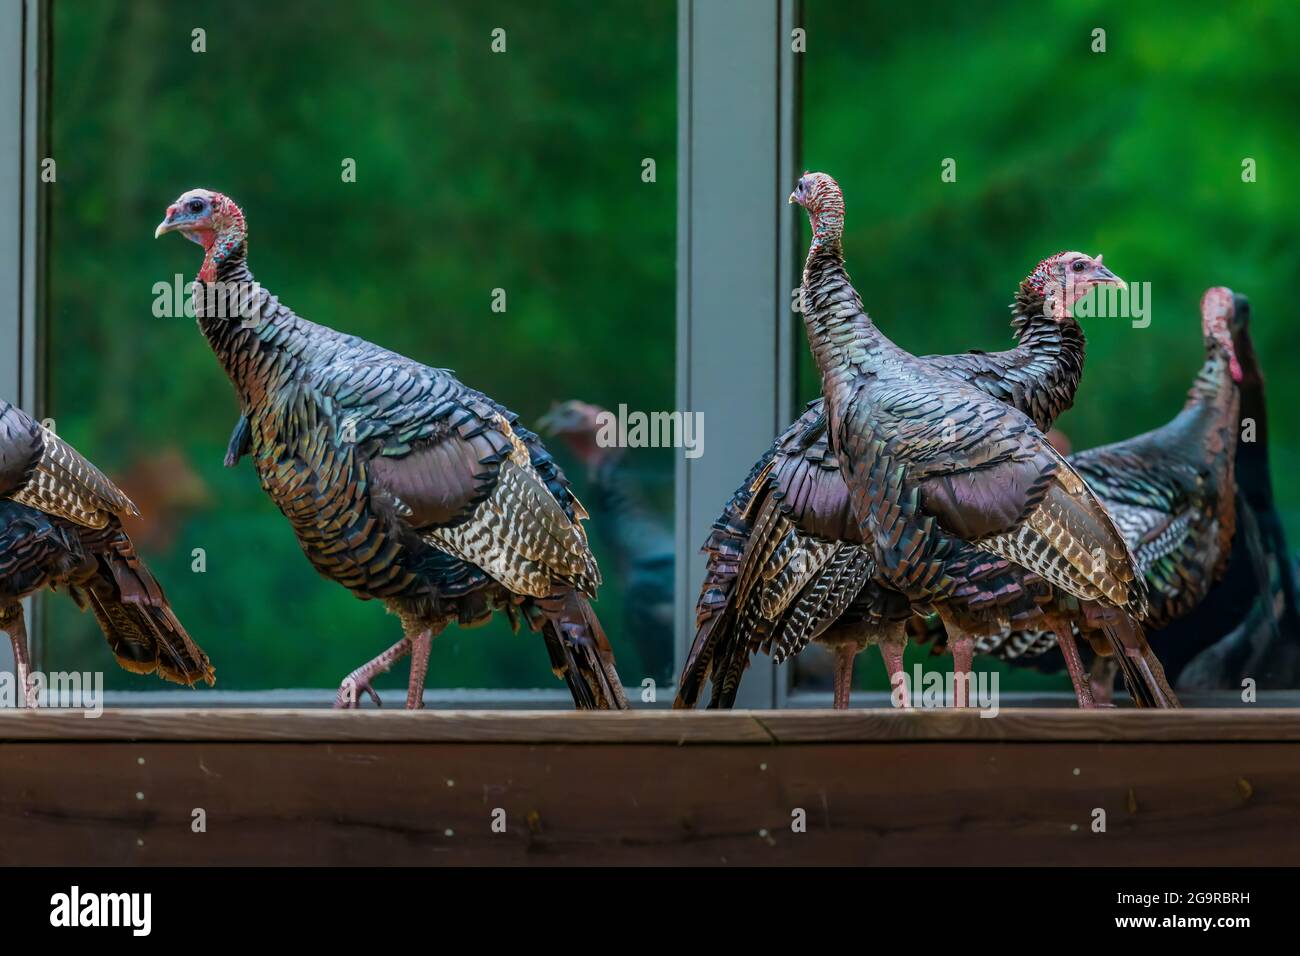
(348, 697)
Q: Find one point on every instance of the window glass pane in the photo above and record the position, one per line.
(1136, 152)
(475, 171)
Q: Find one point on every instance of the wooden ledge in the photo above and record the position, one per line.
(652, 726)
(881, 787)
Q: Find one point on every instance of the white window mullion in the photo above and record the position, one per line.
(12, 41)
(22, 34)
(736, 156)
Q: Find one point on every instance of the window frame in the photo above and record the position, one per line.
(23, 38)
(736, 340)
(737, 150)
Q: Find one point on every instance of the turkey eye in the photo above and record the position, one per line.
(1078, 265)
(196, 205)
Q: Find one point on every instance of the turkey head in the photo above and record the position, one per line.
(209, 219)
(1217, 313)
(578, 424)
(1065, 278)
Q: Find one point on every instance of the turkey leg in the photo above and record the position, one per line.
(1074, 664)
(962, 646)
(892, 646)
(844, 655)
(419, 667)
(349, 695)
(13, 623)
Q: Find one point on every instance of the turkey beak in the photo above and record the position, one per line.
(1102, 274)
(164, 227)
(791, 201)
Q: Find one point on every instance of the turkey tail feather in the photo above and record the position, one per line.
(696, 671)
(142, 631)
(1143, 673)
(715, 624)
(580, 652)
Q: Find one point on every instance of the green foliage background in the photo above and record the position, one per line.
(522, 171)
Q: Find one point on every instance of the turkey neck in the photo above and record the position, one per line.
(258, 354)
(1213, 386)
(1042, 372)
(1209, 417)
(844, 341)
(1048, 356)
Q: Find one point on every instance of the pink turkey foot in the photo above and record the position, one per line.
(29, 694)
(349, 695)
(1074, 664)
(844, 655)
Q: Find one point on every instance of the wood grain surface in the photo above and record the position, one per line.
(1177, 789)
(653, 726)
(874, 803)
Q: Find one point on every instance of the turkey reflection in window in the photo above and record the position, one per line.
(1030, 156)
(463, 197)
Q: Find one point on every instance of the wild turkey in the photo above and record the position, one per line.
(401, 483)
(932, 463)
(61, 527)
(1171, 490)
(793, 582)
(1178, 496)
(1275, 659)
(641, 542)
